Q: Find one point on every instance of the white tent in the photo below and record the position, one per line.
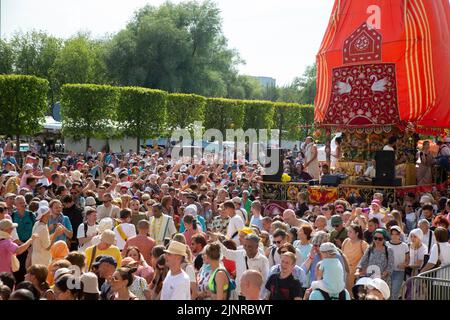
(52, 124)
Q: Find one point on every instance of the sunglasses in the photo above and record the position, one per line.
(378, 238)
(284, 251)
(325, 209)
(277, 242)
(339, 212)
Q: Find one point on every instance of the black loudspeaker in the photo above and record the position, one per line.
(332, 180)
(385, 165)
(275, 176)
(383, 182)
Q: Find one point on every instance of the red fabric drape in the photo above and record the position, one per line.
(391, 75)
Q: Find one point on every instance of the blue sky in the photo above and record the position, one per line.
(276, 38)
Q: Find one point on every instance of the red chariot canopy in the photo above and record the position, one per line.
(385, 63)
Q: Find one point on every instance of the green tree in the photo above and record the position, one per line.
(174, 47)
(141, 112)
(23, 105)
(306, 84)
(81, 60)
(6, 57)
(35, 53)
(184, 109)
(244, 87)
(88, 110)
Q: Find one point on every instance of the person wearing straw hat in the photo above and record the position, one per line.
(176, 285)
(9, 249)
(41, 246)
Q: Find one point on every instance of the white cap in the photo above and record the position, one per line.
(191, 209)
(27, 167)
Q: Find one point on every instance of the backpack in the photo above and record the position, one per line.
(326, 296)
(231, 282)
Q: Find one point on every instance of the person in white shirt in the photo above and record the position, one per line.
(125, 230)
(376, 213)
(177, 284)
(235, 224)
(428, 235)
(440, 252)
(248, 259)
(107, 209)
(87, 230)
(46, 176)
(41, 246)
(392, 142)
(240, 211)
(401, 260)
(417, 251)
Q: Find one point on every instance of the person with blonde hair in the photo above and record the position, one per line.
(251, 283)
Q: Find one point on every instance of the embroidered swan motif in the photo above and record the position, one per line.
(344, 87)
(379, 85)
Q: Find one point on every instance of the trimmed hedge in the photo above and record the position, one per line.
(89, 110)
(224, 114)
(291, 116)
(184, 109)
(141, 112)
(23, 104)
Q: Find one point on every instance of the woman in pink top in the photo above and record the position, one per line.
(8, 248)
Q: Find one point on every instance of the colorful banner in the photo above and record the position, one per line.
(385, 63)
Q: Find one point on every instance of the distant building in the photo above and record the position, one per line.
(266, 81)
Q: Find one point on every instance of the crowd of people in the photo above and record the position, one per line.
(141, 227)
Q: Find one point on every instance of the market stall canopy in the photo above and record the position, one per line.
(383, 64)
(52, 124)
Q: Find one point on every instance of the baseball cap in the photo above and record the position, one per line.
(396, 228)
(336, 220)
(105, 259)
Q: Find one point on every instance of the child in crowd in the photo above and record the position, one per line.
(330, 271)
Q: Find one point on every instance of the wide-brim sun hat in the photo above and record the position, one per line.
(177, 248)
